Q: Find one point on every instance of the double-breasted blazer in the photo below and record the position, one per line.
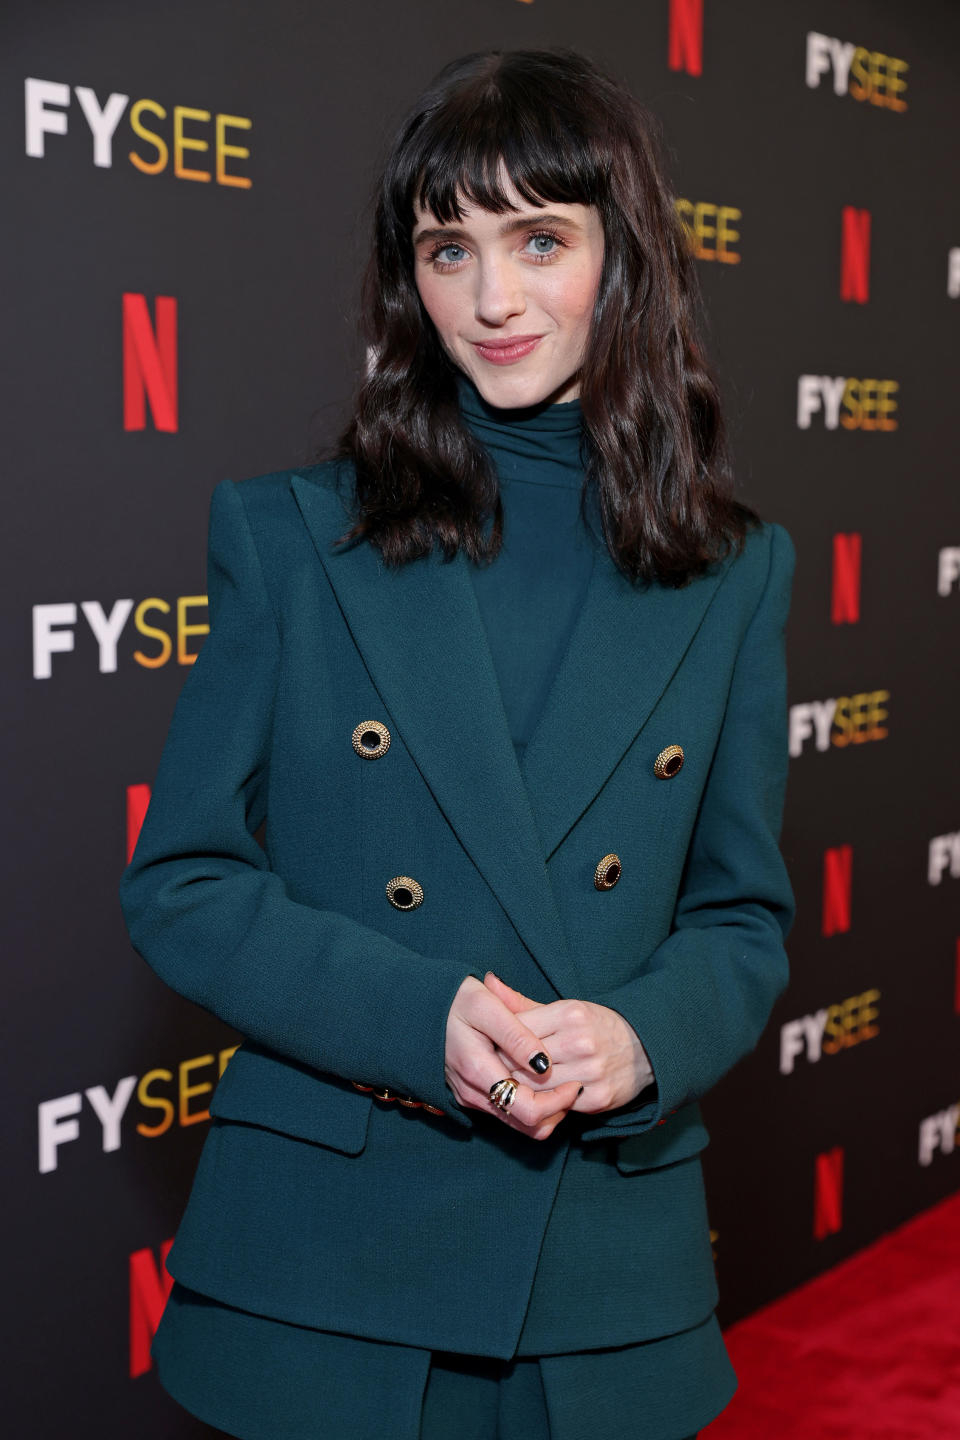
(316, 1202)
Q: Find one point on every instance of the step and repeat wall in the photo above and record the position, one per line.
(187, 216)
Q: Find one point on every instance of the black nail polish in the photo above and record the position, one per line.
(579, 1092)
(540, 1062)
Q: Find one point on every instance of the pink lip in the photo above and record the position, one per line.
(505, 352)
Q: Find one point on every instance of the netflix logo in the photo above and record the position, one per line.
(845, 579)
(828, 1193)
(150, 363)
(837, 890)
(150, 1285)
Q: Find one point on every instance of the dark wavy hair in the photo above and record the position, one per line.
(655, 443)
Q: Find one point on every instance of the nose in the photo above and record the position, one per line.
(499, 291)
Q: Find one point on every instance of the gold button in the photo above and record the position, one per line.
(404, 892)
(371, 739)
(668, 762)
(607, 872)
(385, 1093)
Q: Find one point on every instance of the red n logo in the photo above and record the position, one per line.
(837, 877)
(855, 255)
(828, 1193)
(138, 798)
(149, 363)
(685, 37)
(149, 1288)
(845, 597)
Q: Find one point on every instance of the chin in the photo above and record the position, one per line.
(508, 392)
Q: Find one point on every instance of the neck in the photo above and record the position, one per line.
(562, 416)
(537, 443)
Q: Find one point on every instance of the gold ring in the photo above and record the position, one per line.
(504, 1092)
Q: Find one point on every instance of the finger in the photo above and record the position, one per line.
(559, 1075)
(554, 1120)
(516, 1002)
(529, 1108)
(543, 1131)
(559, 1102)
(535, 1108)
(513, 999)
(542, 1019)
(520, 1045)
(533, 1013)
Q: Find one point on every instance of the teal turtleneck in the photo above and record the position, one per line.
(530, 594)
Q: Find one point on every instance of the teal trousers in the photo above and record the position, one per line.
(259, 1379)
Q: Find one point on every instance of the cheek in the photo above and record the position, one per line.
(439, 301)
(572, 296)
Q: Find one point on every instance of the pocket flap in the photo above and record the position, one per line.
(262, 1088)
(682, 1135)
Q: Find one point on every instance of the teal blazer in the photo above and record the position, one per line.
(317, 1203)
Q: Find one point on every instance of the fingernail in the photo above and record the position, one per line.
(580, 1092)
(540, 1062)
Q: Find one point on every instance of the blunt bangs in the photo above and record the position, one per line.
(526, 120)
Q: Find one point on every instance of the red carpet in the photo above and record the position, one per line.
(869, 1349)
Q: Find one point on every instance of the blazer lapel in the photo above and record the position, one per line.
(421, 636)
(625, 646)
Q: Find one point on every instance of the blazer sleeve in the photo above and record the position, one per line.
(706, 992)
(206, 912)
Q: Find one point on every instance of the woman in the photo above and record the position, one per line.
(505, 679)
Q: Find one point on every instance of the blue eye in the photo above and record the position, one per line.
(539, 255)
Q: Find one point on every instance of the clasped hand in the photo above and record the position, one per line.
(596, 1059)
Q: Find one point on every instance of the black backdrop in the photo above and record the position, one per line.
(815, 150)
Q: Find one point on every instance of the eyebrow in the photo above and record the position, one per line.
(509, 227)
